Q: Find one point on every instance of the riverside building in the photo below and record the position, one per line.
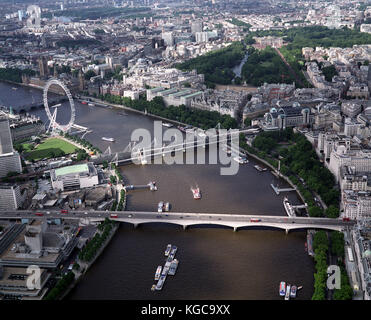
(74, 177)
(11, 197)
(10, 160)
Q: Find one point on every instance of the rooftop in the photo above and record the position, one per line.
(71, 169)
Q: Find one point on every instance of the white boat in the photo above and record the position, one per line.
(244, 159)
(293, 292)
(160, 282)
(152, 186)
(167, 251)
(108, 139)
(173, 251)
(288, 208)
(196, 193)
(158, 273)
(160, 207)
(282, 288)
(173, 267)
(166, 268)
(239, 159)
(259, 168)
(167, 206)
(287, 295)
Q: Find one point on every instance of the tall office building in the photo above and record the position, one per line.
(196, 26)
(168, 38)
(10, 160)
(6, 145)
(11, 197)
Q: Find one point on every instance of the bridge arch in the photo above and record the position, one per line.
(137, 223)
(233, 225)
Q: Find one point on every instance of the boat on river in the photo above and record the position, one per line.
(158, 273)
(196, 193)
(282, 288)
(108, 139)
(168, 249)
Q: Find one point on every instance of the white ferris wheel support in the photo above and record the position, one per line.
(53, 117)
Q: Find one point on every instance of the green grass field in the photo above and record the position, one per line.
(51, 148)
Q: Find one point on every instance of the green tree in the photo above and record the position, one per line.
(247, 122)
(113, 179)
(320, 240)
(89, 74)
(315, 211)
(105, 164)
(332, 212)
(337, 243)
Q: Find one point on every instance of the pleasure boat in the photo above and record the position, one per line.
(293, 292)
(160, 282)
(196, 193)
(108, 139)
(174, 249)
(167, 251)
(288, 290)
(173, 267)
(160, 207)
(282, 288)
(158, 272)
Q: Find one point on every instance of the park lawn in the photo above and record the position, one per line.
(51, 148)
(27, 147)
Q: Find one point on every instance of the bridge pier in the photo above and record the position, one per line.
(234, 229)
(184, 227)
(286, 231)
(135, 225)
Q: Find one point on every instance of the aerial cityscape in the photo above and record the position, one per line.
(185, 150)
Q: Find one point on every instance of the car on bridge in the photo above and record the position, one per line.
(64, 211)
(130, 216)
(255, 220)
(113, 215)
(39, 214)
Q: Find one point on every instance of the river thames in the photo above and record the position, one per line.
(214, 262)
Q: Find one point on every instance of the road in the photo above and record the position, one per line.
(292, 71)
(183, 218)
